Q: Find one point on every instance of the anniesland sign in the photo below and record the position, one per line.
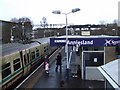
(100, 41)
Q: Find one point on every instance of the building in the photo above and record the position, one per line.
(5, 29)
(14, 32)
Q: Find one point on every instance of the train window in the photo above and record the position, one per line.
(33, 55)
(46, 49)
(16, 64)
(6, 70)
(6, 65)
(37, 53)
(16, 60)
(25, 60)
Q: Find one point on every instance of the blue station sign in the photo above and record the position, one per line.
(85, 41)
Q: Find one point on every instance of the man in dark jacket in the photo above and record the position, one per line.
(58, 62)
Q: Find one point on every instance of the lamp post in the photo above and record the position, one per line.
(66, 46)
(23, 32)
(11, 34)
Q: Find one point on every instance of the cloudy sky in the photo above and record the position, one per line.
(92, 11)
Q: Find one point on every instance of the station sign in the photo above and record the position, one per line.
(84, 41)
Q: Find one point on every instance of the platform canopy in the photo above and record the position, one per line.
(111, 71)
(100, 40)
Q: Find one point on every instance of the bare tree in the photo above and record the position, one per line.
(23, 27)
(115, 27)
(115, 21)
(102, 22)
(24, 19)
(15, 20)
(43, 22)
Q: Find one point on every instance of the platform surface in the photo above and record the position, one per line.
(59, 80)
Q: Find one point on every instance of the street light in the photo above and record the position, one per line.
(11, 34)
(66, 46)
(23, 32)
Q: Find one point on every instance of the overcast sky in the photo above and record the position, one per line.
(92, 11)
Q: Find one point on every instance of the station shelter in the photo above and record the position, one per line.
(111, 73)
(93, 51)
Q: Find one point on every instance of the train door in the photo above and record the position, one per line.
(26, 61)
(32, 58)
(46, 50)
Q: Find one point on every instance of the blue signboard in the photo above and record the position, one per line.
(84, 41)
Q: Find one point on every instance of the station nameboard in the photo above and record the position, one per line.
(84, 41)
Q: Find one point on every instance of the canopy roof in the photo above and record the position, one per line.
(111, 71)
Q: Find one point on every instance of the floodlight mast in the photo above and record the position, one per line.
(66, 45)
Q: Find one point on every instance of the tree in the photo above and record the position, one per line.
(43, 22)
(23, 27)
(115, 27)
(102, 22)
(115, 21)
(15, 20)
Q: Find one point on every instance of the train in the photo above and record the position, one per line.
(17, 61)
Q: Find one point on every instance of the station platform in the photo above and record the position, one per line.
(59, 80)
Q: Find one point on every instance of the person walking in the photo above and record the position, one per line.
(58, 62)
(46, 64)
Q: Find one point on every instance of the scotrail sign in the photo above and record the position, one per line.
(84, 41)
